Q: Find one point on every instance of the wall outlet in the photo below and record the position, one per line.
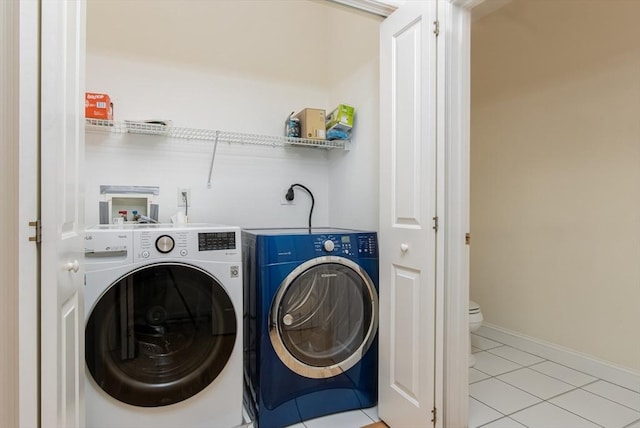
(283, 197)
(181, 199)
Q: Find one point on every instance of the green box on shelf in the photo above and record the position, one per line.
(341, 118)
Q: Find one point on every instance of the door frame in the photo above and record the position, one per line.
(29, 206)
(24, 37)
(455, 66)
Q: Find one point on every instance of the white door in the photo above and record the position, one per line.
(62, 207)
(407, 216)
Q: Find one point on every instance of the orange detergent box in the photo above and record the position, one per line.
(98, 106)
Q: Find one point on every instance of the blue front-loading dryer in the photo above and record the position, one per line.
(311, 322)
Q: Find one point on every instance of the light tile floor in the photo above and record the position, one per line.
(352, 419)
(509, 388)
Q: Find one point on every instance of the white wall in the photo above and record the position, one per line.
(354, 79)
(232, 66)
(555, 174)
(9, 218)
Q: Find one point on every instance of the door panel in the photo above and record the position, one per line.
(69, 343)
(404, 326)
(407, 209)
(405, 137)
(62, 200)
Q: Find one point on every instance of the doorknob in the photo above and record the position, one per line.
(72, 266)
(404, 248)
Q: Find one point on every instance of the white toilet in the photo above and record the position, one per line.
(475, 321)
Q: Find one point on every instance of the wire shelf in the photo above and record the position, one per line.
(150, 128)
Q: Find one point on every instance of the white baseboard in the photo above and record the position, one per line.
(618, 375)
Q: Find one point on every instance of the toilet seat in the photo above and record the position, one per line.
(474, 308)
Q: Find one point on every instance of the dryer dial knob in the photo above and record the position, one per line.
(329, 245)
(165, 244)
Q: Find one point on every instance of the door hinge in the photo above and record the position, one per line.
(435, 223)
(467, 238)
(434, 414)
(38, 237)
(436, 28)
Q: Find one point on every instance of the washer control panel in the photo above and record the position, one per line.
(111, 245)
(155, 244)
(187, 243)
(213, 241)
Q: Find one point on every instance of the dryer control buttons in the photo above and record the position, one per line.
(145, 254)
(329, 245)
(165, 244)
(183, 252)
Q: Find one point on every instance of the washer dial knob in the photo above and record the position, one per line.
(329, 245)
(165, 244)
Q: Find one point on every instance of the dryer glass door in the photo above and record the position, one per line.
(325, 317)
(160, 335)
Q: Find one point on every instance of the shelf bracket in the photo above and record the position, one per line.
(213, 157)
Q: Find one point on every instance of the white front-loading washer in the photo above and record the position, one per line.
(163, 326)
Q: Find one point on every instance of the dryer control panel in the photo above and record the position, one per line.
(347, 245)
(301, 244)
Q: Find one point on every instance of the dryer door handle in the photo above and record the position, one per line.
(287, 319)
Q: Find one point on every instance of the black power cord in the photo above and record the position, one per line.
(186, 204)
(290, 196)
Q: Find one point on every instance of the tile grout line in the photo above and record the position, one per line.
(631, 424)
(367, 415)
(510, 346)
(514, 370)
(606, 398)
(503, 415)
(576, 414)
(520, 350)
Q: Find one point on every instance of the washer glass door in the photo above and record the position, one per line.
(160, 335)
(324, 317)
